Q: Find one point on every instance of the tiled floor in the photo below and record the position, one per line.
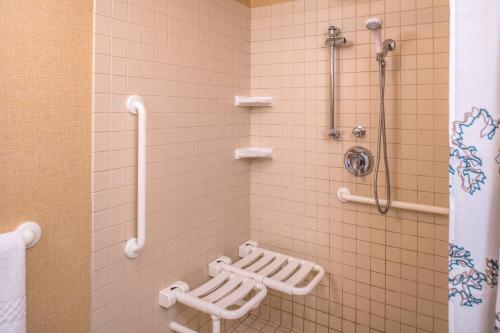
(254, 324)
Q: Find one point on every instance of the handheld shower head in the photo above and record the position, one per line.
(375, 25)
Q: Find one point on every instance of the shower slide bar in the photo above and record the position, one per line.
(135, 105)
(345, 195)
(334, 40)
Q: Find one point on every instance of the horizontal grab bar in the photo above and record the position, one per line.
(135, 105)
(345, 195)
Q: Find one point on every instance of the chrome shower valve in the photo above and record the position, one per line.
(358, 161)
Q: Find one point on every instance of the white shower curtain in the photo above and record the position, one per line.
(474, 166)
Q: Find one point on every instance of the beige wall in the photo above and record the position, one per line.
(387, 273)
(187, 59)
(45, 66)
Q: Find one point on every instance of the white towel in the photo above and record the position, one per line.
(12, 283)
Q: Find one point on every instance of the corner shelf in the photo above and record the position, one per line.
(253, 152)
(253, 101)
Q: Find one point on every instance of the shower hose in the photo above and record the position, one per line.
(382, 143)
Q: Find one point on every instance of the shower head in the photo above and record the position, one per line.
(375, 25)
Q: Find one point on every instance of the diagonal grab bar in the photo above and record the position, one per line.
(135, 105)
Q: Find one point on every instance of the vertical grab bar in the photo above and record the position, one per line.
(135, 105)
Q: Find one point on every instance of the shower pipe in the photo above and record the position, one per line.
(135, 105)
(345, 195)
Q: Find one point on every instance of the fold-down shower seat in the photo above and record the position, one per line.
(236, 289)
(276, 271)
(226, 296)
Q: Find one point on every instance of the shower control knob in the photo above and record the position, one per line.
(358, 161)
(359, 131)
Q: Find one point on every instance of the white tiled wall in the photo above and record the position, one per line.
(187, 59)
(387, 273)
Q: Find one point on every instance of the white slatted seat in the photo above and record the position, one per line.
(277, 271)
(227, 296)
(237, 288)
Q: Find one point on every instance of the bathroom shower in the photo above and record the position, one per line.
(229, 161)
(374, 24)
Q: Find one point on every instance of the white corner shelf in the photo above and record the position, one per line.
(253, 101)
(253, 152)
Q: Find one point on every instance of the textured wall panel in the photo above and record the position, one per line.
(45, 93)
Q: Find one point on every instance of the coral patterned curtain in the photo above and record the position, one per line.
(474, 166)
